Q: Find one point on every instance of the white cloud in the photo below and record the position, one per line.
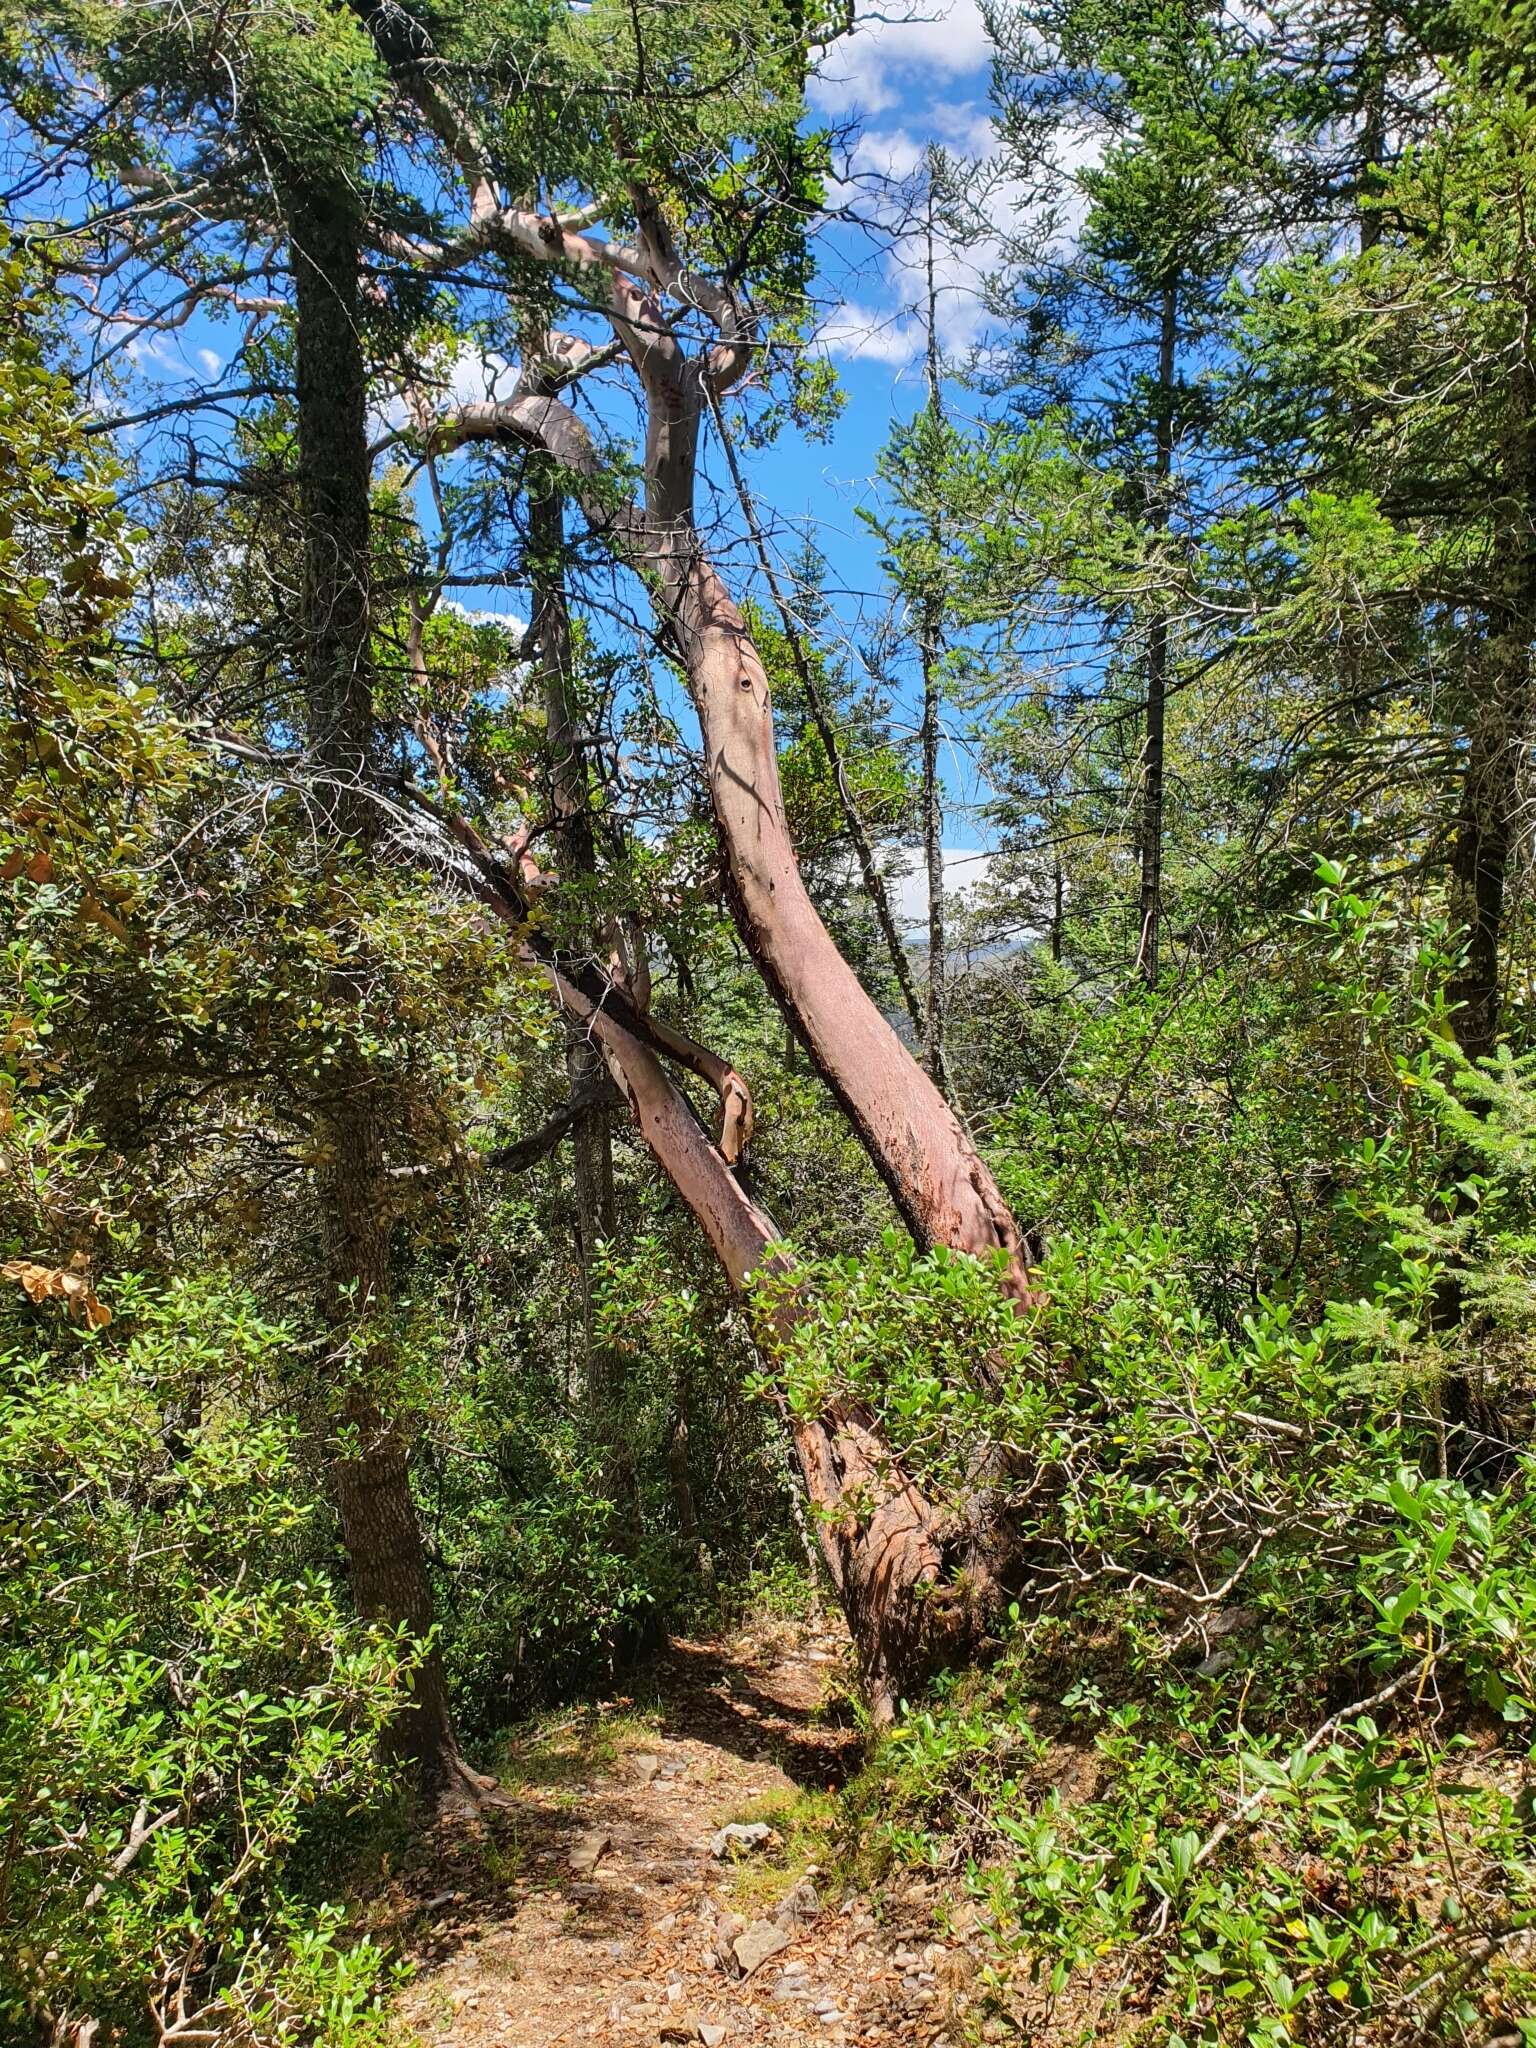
(859, 334)
(964, 866)
(469, 376)
(867, 72)
(477, 615)
(885, 154)
(884, 321)
(477, 374)
(157, 353)
(210, 362)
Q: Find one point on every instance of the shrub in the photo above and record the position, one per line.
(192, 1720)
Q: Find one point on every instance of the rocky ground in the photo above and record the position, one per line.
(611, 1900)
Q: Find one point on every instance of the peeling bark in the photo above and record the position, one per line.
(805, 675)
(888, 1548)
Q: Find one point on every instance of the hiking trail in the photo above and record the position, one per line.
(592, 1907)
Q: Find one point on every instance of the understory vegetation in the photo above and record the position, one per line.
(490, 1174)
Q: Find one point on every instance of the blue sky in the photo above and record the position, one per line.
(913, 73)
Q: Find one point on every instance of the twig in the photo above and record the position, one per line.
(143, 1827)
(1314, 1741)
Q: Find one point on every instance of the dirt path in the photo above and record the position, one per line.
(592, 1909)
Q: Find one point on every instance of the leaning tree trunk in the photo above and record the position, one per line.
(371, 1482)
(892, 1554)
(942, 1189)
(913, 1577)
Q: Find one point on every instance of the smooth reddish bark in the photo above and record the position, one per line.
(942, 1189)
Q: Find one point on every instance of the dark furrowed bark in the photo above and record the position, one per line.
(1499, 730)
(591, 1137)
(1149, 949)
(371, 1480)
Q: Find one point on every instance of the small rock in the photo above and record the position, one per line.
(761, 1940)
(645, 1767)
(737, 1834)
(588, 1852)
(957, 1969)
(727, 1929)
(799, 1905)
(711, 2036)
(665, 1924)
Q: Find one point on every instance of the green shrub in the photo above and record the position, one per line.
(1254, 1754)
(192, 1719)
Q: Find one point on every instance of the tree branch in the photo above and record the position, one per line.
(525, 1152)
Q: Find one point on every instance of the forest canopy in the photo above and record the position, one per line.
(767, 854)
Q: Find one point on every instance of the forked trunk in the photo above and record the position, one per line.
(942, 1189)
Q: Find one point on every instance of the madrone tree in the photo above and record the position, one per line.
(268, 137)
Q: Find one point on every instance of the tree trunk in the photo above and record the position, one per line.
(1149, 949)
(1373, 139)
(821, 718)
(575, 842)
(933, 852)
(1499, 733)
(1488, 817)
(378, 1516)
(941, 1188)
(930, 632)
(913, 1580)
(892, 1555)
(937, 1180)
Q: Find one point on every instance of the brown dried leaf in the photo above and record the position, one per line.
(59, 1283)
